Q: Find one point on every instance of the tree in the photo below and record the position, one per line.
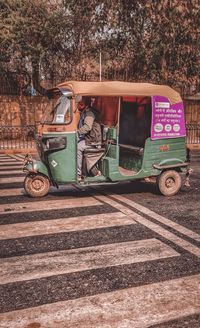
(29, 34)
(154, 41)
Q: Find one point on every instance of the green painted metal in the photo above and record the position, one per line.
(130, 161)
(163, 152)
(112, 151)
(97, 179)
(38, 166)
(63, 163)
(111, 134)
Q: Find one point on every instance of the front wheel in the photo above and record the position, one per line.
(169, 182)
(36, 185)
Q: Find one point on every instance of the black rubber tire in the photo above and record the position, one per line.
(169, 182)
(36, 185)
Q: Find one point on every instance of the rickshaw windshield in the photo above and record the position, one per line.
(61, 113)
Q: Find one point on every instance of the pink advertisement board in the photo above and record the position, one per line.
(167, 119)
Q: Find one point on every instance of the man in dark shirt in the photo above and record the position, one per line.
(89, 130)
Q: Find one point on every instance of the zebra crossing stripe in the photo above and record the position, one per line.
(133, 307)
(11, 179)
(21, 156)
(45, 227)
(48, 205)
(5, 160)
(159, 218)
(16, 172)
(150, 225)
(11, 167)
(142, 306)
(61, 262)
(12, 192)
(9, 163)
(16, 157)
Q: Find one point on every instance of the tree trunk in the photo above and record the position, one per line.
(36, 76)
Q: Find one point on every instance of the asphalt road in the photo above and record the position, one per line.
(110, 256)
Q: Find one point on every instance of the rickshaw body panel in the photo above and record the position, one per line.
(62, 163)
(36, 167)
(156, 152)
(163, 152)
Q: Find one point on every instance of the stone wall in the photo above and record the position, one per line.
(192, 110)
(22, 110)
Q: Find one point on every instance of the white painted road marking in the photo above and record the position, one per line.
(48, 264)
(18, 158)
(11, 179)
(48, 205)
(5, 160)
(5, 164)
(12, 192)
(96, 221)
(21, 156)
(11, 167)
(152, 226)
(10, 172)
(159, 218)
(138, 307)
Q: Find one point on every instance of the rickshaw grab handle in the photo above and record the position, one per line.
(160, 167)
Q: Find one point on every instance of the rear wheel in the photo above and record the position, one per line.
(36, 185)
(169, 183)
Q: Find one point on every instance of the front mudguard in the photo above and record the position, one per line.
(33, 166)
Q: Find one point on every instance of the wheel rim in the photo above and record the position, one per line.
(170, 183)
(38, 184)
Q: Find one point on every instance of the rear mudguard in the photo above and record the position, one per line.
(36, 167)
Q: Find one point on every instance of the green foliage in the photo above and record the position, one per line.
(154, 41)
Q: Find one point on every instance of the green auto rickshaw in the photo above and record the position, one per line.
(143, 137)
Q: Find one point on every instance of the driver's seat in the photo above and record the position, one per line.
(91, 155)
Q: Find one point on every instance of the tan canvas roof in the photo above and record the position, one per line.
(119, 88)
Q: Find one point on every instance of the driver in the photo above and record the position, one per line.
(89, 130)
